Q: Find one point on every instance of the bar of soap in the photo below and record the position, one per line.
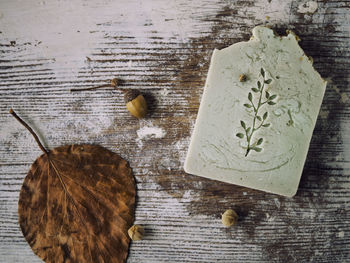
(257, 115)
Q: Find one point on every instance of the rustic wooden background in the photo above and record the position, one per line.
(164, 47)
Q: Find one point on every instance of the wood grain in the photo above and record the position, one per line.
(163, 48)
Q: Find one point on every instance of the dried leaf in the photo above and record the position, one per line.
(77, 204)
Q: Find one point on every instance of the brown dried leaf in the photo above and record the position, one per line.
(77, 204)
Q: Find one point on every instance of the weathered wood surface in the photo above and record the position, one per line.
(163, 48)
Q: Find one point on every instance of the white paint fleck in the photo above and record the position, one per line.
(164, 92)
(309, 7)
(244, 193)
(276, 11)
(324, 114)
(340, 234)
(168, 164)
(277, 203)
(291, 229)
(344, 97)
(180, 147)
(149, 132)
(130, 64)
(271, 219)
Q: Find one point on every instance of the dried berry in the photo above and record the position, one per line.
(229, 218)
(242, 78)
(136, 232)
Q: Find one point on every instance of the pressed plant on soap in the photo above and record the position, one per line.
(255, 126)
(273, 140)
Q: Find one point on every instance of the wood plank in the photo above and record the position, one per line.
(164, 48)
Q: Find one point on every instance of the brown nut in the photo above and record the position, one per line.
(229, 218)
(134, 100)
(135, 103)
(136, 232)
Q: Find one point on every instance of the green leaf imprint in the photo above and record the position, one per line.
(262, 73)
(240, 135)
(257, 121)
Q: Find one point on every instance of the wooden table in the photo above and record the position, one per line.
(164, 48)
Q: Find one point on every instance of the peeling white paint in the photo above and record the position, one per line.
(68, 31)
(309, 7)
(324, 114)
(277, 203)
(341, 234)
(343, 96)
(149, 132)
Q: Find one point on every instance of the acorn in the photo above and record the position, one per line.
(135, 103)
(134, 100)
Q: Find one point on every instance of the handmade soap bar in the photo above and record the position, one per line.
(258, 111)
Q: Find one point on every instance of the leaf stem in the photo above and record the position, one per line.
(114, 84)
(91, 88)
(251, 102)
(261, 124)
(13, 113)
(97, 87)
(256, 110)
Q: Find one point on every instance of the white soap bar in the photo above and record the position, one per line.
(251, 134)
